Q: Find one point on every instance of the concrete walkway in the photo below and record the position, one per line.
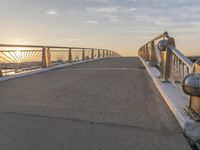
(109, 104)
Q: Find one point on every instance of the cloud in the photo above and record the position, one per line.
(52, 12)
(93, 22)
(114, 20)
(128, 10)
(111, 9)
(101, 1)
(132, 9)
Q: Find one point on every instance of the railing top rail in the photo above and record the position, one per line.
(13, 45)
(183, 58)
(74, 47)
(165, 34)
(40, 46)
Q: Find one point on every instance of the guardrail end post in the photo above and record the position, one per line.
(70, 56)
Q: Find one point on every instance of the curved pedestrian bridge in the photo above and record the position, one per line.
(106, 104)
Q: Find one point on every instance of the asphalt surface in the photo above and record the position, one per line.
(108, 104)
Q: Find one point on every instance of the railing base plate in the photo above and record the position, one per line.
(194, 115)
(163, 80)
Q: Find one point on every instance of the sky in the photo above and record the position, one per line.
(120, 25)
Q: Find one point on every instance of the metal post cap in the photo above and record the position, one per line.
(191, 84)
(166, 33)
(162, 45)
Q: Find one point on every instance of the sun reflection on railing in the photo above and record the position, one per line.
(18, 58)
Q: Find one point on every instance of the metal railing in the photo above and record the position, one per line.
(174, 67)
(19, 58)
(162, 53)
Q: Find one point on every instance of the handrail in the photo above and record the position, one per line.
(17, 58)
(176, 68)
(183, 58)
(174, 65)
(40, 46)
(13, 45)
(163, 35)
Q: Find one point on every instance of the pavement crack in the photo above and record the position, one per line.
(111, 124)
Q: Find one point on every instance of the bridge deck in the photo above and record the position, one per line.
(109, 104)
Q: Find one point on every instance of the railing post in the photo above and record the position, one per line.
(70, 56)
(146, 52)
(103, 53)
(143, 52)
(171, 42)
(164, 60)
(99, 53)
(110, 55)
(45, 57)
(153, 59)
(106, 53)
(83, 54)
(1, 74)
(49, 56)
(92, 54)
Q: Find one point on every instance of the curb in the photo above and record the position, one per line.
(41, 70)
(176, 101)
